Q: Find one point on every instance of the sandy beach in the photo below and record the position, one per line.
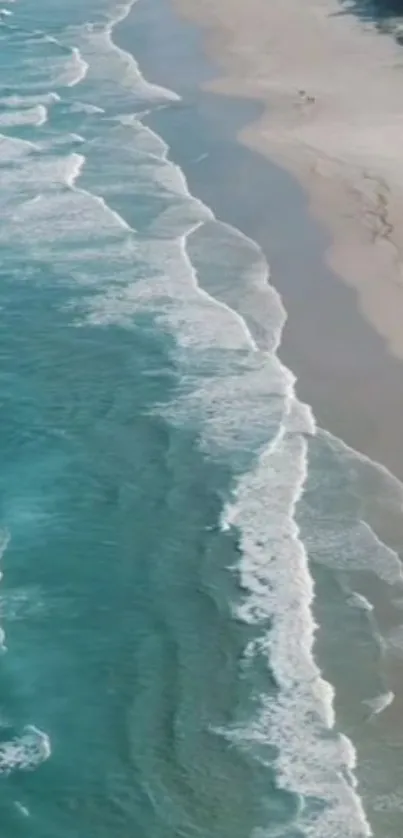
(304, 159)
(327, 86)
(332, 89)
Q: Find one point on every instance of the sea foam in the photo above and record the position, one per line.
(313, 759)
(25, 751)
(234, 392)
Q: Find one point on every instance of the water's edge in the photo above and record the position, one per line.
(196, 555)
(343, 367)
(268, 206)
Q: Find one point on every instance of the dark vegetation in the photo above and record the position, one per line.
(387, 14)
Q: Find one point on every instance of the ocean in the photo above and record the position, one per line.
(201, 594)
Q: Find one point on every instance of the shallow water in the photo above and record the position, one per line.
(160, 672)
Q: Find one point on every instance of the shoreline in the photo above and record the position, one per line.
(344, 368)
(330, 88)
(334, 367)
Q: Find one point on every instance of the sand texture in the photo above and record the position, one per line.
(333, 90)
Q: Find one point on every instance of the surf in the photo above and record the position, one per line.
(232, 391)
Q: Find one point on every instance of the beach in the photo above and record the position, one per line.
(250, 162)
(329, 85)
(201, 472)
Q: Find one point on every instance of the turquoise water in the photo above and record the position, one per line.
(158, 674)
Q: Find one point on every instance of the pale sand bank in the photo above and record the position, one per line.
(334, 93)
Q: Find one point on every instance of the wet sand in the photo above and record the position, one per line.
(346, 369)
(331, 88)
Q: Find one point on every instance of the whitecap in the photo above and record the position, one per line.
(24, 752)
(357, 600)
(378, 704)
(30, 116)
(22, 808)
(77, 69)
(75, 165)
(83, 107)
(18, 101)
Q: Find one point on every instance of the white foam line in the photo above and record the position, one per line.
(22, 809)
(42, 115)
(265, 281)
(274, 570)
(143, 114)
(378, 704)
(193, 275)
(211, 217)
(360, 601)
(32, 747)
(396, 565)
(36, 115)
(101, 201)
(281, 587)
(135, 120)
(397, 484)
(4, 542)
(119, 18)
(26, 751)
(82, 68)
(76, 164)
(84, 107)
(17, 143)
(16, 101)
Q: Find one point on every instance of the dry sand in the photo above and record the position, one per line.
(333, 87)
